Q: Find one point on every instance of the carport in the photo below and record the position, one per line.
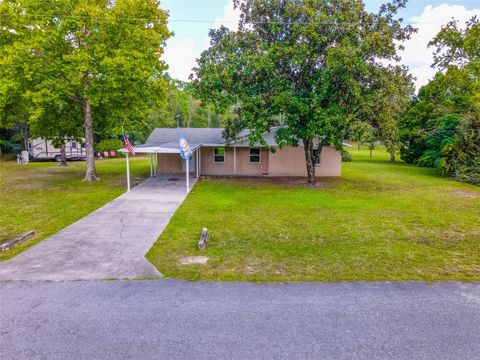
(154, 150)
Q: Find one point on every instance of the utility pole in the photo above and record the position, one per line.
(178, 120)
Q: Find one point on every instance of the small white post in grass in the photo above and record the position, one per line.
(188, 185)
(128, 174)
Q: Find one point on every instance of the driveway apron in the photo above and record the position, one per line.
(109, 243)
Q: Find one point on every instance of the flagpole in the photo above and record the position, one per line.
(128, 174)
(128, 162)
(185, 155)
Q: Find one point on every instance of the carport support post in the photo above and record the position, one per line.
(235, 160)
(199, 161)
(128, 174)
(188, 185)
(151, 165)
(155, 165)
(197, 173)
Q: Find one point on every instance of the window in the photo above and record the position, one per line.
(255, 155)
(74, 145)
(219, 155)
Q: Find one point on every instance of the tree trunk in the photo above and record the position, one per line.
(25, 140)
(310, 160)
(371, 151)
(392, 155)
(24, 133)
(63, 155)
(90, 172)
(209, 117)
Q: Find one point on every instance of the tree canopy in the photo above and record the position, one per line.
(309, 66)
(442, 126)
(181, 106)
(97, 64)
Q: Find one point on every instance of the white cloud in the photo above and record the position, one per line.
(180, 55)
(417, 55)
(230, 17)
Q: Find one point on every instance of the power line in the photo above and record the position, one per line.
(326, 22)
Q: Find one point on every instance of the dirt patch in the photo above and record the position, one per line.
(193, 260)
(466, 194)
(281, 181)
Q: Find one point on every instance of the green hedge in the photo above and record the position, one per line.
(109, 145)
(7, 147)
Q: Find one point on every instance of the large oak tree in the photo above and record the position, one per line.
(100, 57)
(310, 65)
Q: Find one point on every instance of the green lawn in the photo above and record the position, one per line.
(46, 197)
(379, 221)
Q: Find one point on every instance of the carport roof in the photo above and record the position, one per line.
(195, 137)
(165, 140)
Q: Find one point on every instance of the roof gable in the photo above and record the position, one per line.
(194, 136)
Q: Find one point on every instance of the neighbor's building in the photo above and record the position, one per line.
(41, 149)
(213, 155)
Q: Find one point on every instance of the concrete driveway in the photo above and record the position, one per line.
(171, 319)
(110, 243)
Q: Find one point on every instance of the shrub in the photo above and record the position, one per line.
(467, 174)
(109, 144)
(346, 156)
(461, 157)
(7, 147)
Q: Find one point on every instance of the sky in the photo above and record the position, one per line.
(190, 20)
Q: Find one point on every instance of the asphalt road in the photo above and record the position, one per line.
(170, 319)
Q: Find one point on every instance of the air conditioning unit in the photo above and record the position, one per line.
(25, 157)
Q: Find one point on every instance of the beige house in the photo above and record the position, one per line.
(213, 155)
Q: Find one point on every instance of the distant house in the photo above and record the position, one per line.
(213, 155)
(41, 149)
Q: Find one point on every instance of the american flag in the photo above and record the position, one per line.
(129, 147)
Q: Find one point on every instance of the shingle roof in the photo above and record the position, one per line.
(195, 136)
(168, 138)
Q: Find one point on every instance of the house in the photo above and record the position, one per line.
(41, 149)
(213, 155)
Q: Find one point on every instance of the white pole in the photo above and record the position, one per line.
(128, 174)
(234, 160)
(151, 165)
(199, 161)
(196, 163)
(155, 165)
(188, 160)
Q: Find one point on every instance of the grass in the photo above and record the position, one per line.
(46, 197)
(379, 221)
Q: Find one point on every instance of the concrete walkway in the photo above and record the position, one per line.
(110, 243)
